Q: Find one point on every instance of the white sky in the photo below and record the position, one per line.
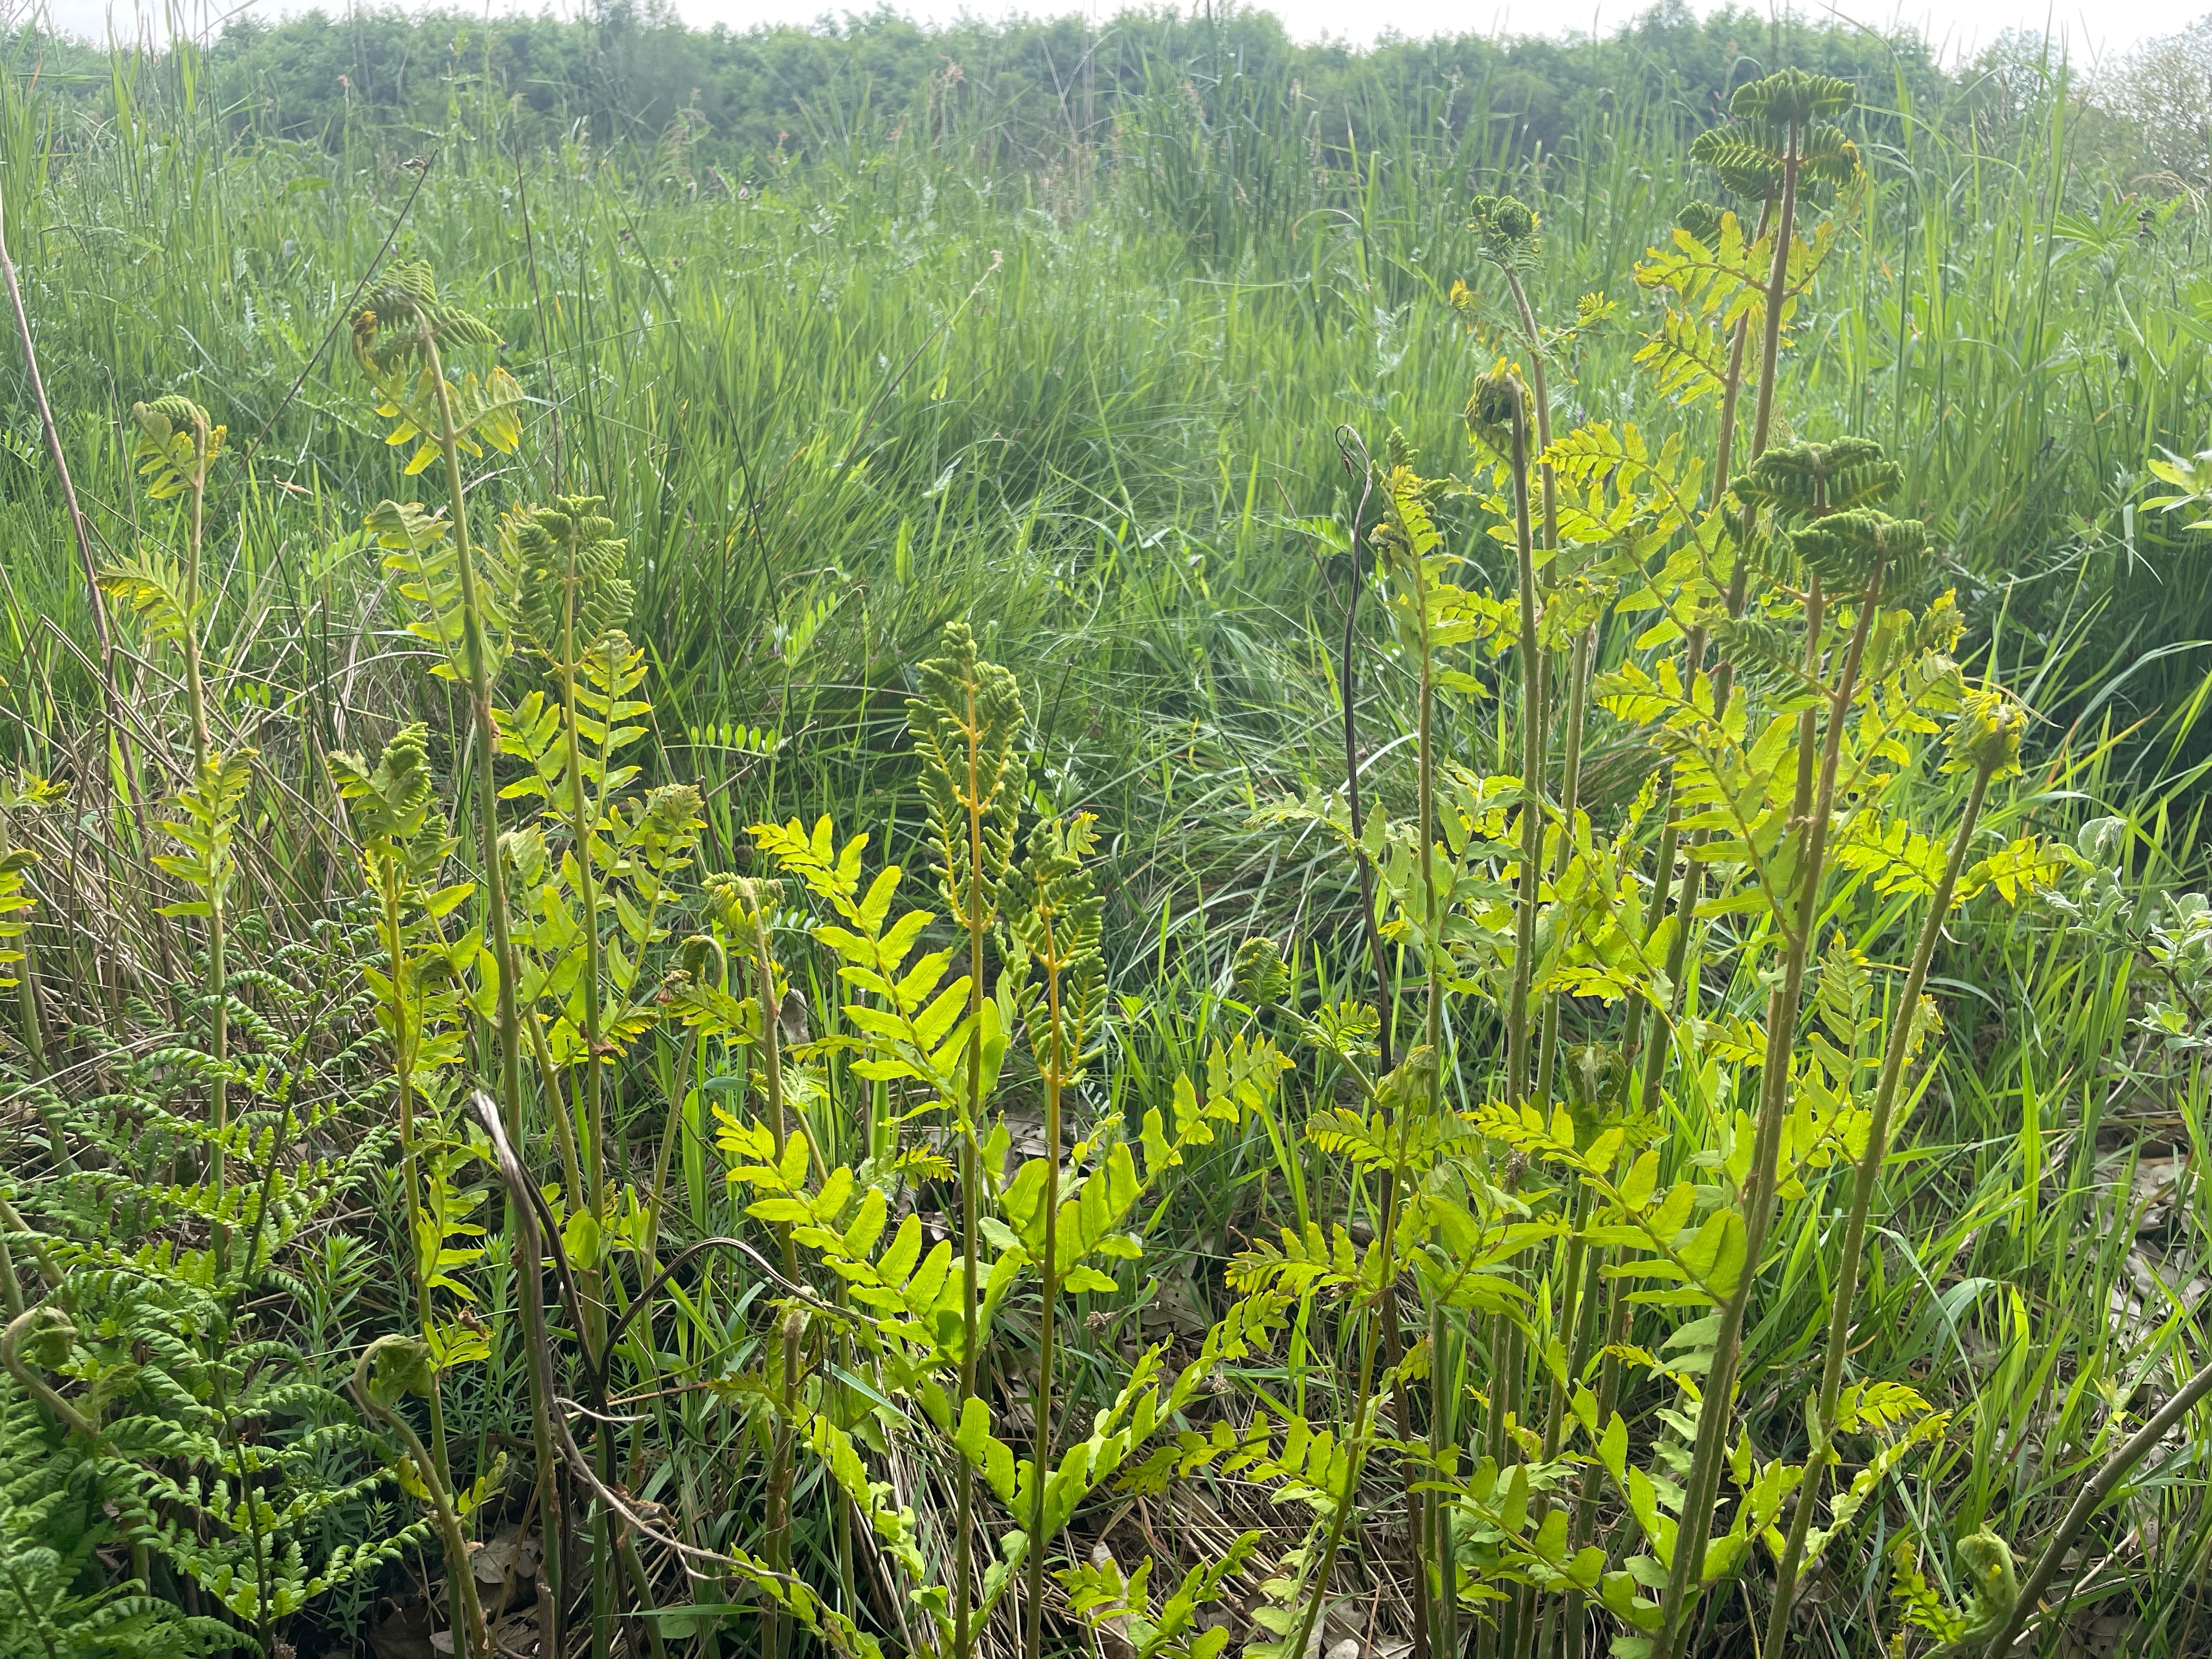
(1958, 27)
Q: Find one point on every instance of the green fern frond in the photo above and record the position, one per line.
(1748, 169)
(1847, 549)
(419, 553)
(1505, 228)
(1701, 219)
(150, 584)
(175, 444)
(571, 591)
(405, 305)
(206, 828)
(964, 723)
(1809, 480)
(1792, 98)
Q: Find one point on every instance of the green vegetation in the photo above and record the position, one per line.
(1124, 843)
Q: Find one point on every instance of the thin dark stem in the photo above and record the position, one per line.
(1385, 1005)
(2089, 1501)
(110, 693)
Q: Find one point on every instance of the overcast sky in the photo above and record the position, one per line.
(1958, 28)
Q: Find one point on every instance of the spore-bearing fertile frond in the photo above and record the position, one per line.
(571, 590)
(1804, 481)
(964, 723)
(1052, 909)
(1747, 167)
(1506, 227)
(1792, 98)
(408, 294)
(1775, 118)
(1846, 548)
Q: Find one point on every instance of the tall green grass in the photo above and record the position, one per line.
(1087, 408)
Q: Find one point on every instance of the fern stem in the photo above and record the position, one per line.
(1844, 1292)
(1385, 1004)
(12, 1219)
(202, 758)
(779, 1480)
(1693, 655)
(1540, 395)
(564, 1125)
(1532, 764)
(11, 1359)
(583, 823)
(1505, 1358)
(1049, 1274)
(1355, 1465)
(1432, 1024)
(1443, 1443)
(1777, 289)
(529, 1307)
(1571, 769)
(477, 649)
(640, 1587)
(1386, 1008)
(487, 787)
(970, 1171)
(583, 829)
(1702, 1490)
(403, 1052)
(441, 1501)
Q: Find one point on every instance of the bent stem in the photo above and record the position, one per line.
(2087, 1502)
(529, 1304)
(1845, 1293)
(458, 1569)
